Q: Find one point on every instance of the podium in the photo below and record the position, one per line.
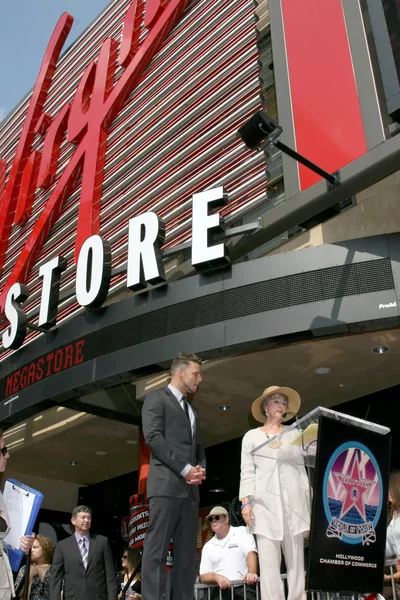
(347, 462)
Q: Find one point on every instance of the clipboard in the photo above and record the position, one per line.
(23, 504)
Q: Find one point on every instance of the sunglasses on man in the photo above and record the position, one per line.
(215, 518)
(4, 450)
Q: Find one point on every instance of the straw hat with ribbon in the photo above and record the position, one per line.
(293, 406)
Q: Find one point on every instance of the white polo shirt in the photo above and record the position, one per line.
(228, 556)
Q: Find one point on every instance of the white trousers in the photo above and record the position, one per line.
(269, 556)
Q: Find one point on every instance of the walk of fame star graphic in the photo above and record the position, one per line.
(355, 489)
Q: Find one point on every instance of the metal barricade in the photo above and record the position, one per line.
(392, 562)
(340, 596)
(335, 596)
(205, 591)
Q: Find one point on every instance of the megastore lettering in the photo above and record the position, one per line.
(45, 366)
(85, 122)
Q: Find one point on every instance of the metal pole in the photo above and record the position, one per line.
(307, 163)
(392, 580)
(28, 568)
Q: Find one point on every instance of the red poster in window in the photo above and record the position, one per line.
(326, 111)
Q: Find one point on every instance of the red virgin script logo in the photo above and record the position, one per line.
(84, 122)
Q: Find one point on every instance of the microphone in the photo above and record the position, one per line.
(288, 413)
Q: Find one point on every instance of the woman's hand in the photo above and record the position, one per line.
(247, 514)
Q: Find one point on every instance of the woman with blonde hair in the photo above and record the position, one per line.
(393, 531)
(39, 574)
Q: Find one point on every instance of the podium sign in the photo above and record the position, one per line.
(348, 526)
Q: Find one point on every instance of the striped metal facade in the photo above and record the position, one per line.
(175, 136)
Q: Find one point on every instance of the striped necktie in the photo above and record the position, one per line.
(84, 551)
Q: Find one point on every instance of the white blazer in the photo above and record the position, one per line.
(6, 577)
(277, 484)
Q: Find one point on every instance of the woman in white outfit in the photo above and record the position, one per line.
(393, 530)
(6, 578)
(274, 492)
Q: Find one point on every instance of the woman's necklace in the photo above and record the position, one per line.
(39, 569)
(274, 443)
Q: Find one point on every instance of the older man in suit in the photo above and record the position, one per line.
(84, 563)
(177, 466)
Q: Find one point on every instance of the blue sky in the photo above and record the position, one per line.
(25, 29)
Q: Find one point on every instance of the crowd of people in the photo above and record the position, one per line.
(275, 507)
(79, 567)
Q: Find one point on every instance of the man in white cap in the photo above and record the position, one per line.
(231, 555)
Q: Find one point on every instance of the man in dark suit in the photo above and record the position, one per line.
(84, 563)
(177, 466)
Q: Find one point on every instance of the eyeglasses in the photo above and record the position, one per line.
(215, 518)
(4, 450)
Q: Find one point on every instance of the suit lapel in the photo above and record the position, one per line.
(175, 403)
(92, 546)
(174, 400)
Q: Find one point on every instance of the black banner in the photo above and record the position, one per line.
(348, 528)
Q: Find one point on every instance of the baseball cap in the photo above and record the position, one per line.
(218, 510)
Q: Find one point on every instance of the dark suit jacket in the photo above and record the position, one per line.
(97, 582)
(167, 433)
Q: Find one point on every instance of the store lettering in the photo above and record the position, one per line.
(84, 122)
(93, 272)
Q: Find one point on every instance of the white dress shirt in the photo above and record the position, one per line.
(393, 537)
(228, 556)
(178, 395)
